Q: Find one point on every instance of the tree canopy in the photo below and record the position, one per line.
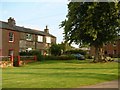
(55, 50)
(92, 23)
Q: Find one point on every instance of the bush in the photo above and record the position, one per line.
(88, 57)
(76, 52)
(62, 57)
(55, 50)
(32, 53)
(15, 62)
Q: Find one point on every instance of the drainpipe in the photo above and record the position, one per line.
(35, 42)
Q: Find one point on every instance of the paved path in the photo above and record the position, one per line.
(109, 84)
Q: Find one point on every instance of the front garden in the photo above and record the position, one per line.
(59, 74)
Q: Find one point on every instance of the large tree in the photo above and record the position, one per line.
(92, 23)
(55, 49)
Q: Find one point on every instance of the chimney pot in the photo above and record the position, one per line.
(11, 21)
(46, 30)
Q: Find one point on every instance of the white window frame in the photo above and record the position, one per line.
(48, 39)
(40, 38)
(11, 38)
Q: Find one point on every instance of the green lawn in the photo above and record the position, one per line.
(58, 74)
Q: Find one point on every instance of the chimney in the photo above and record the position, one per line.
(11, 21)
(46, 30)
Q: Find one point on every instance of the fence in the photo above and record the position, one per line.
(21, 60)
(6, 61)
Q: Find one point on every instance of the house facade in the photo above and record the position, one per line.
(15, 39)
(110, 49)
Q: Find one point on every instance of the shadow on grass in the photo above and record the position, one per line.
(68, 68)
(70, 75)
(64, 61)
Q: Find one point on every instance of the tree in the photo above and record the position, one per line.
(55, 50)
(65, 46)
(92, 23)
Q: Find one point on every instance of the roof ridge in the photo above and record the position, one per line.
(5, 25)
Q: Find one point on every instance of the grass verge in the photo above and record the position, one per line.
(59, 74)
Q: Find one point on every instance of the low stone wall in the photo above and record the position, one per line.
(10, 61)
(4, 64)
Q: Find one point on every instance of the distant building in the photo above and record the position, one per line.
(15, 39)
(110, 49)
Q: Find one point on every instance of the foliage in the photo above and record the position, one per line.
(92, 23)
(62, 57)
(55, 49)
(33, 52)
(25, 53)
(5, 59)
(65, 46)
(15, 62)
(88, 56)
(76, 51)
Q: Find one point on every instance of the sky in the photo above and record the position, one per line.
(36, 14)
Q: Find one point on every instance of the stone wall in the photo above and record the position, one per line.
(4, 64)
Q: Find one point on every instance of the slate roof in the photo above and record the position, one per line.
(5, 25)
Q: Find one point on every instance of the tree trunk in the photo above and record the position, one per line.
(98, 54)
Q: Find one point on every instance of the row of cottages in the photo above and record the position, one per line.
(15, 39)
(110, 49)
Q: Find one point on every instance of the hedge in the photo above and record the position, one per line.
(62, 57)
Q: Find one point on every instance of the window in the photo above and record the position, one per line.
(48, 40)
(11, 36)
(40, 38)
(29, 37)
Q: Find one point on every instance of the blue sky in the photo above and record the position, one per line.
(36, 15)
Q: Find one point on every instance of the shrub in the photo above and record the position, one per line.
(5, 59)
(88, 56)
(76, 51)
(15, 62)
(62, 57)
(32, 53)
(55, 50)
(67, 57)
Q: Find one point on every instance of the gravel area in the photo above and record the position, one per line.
(109, 84)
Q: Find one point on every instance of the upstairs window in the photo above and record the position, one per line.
(11, 37)
(48, 39)
(29, 37)
(40, 38)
